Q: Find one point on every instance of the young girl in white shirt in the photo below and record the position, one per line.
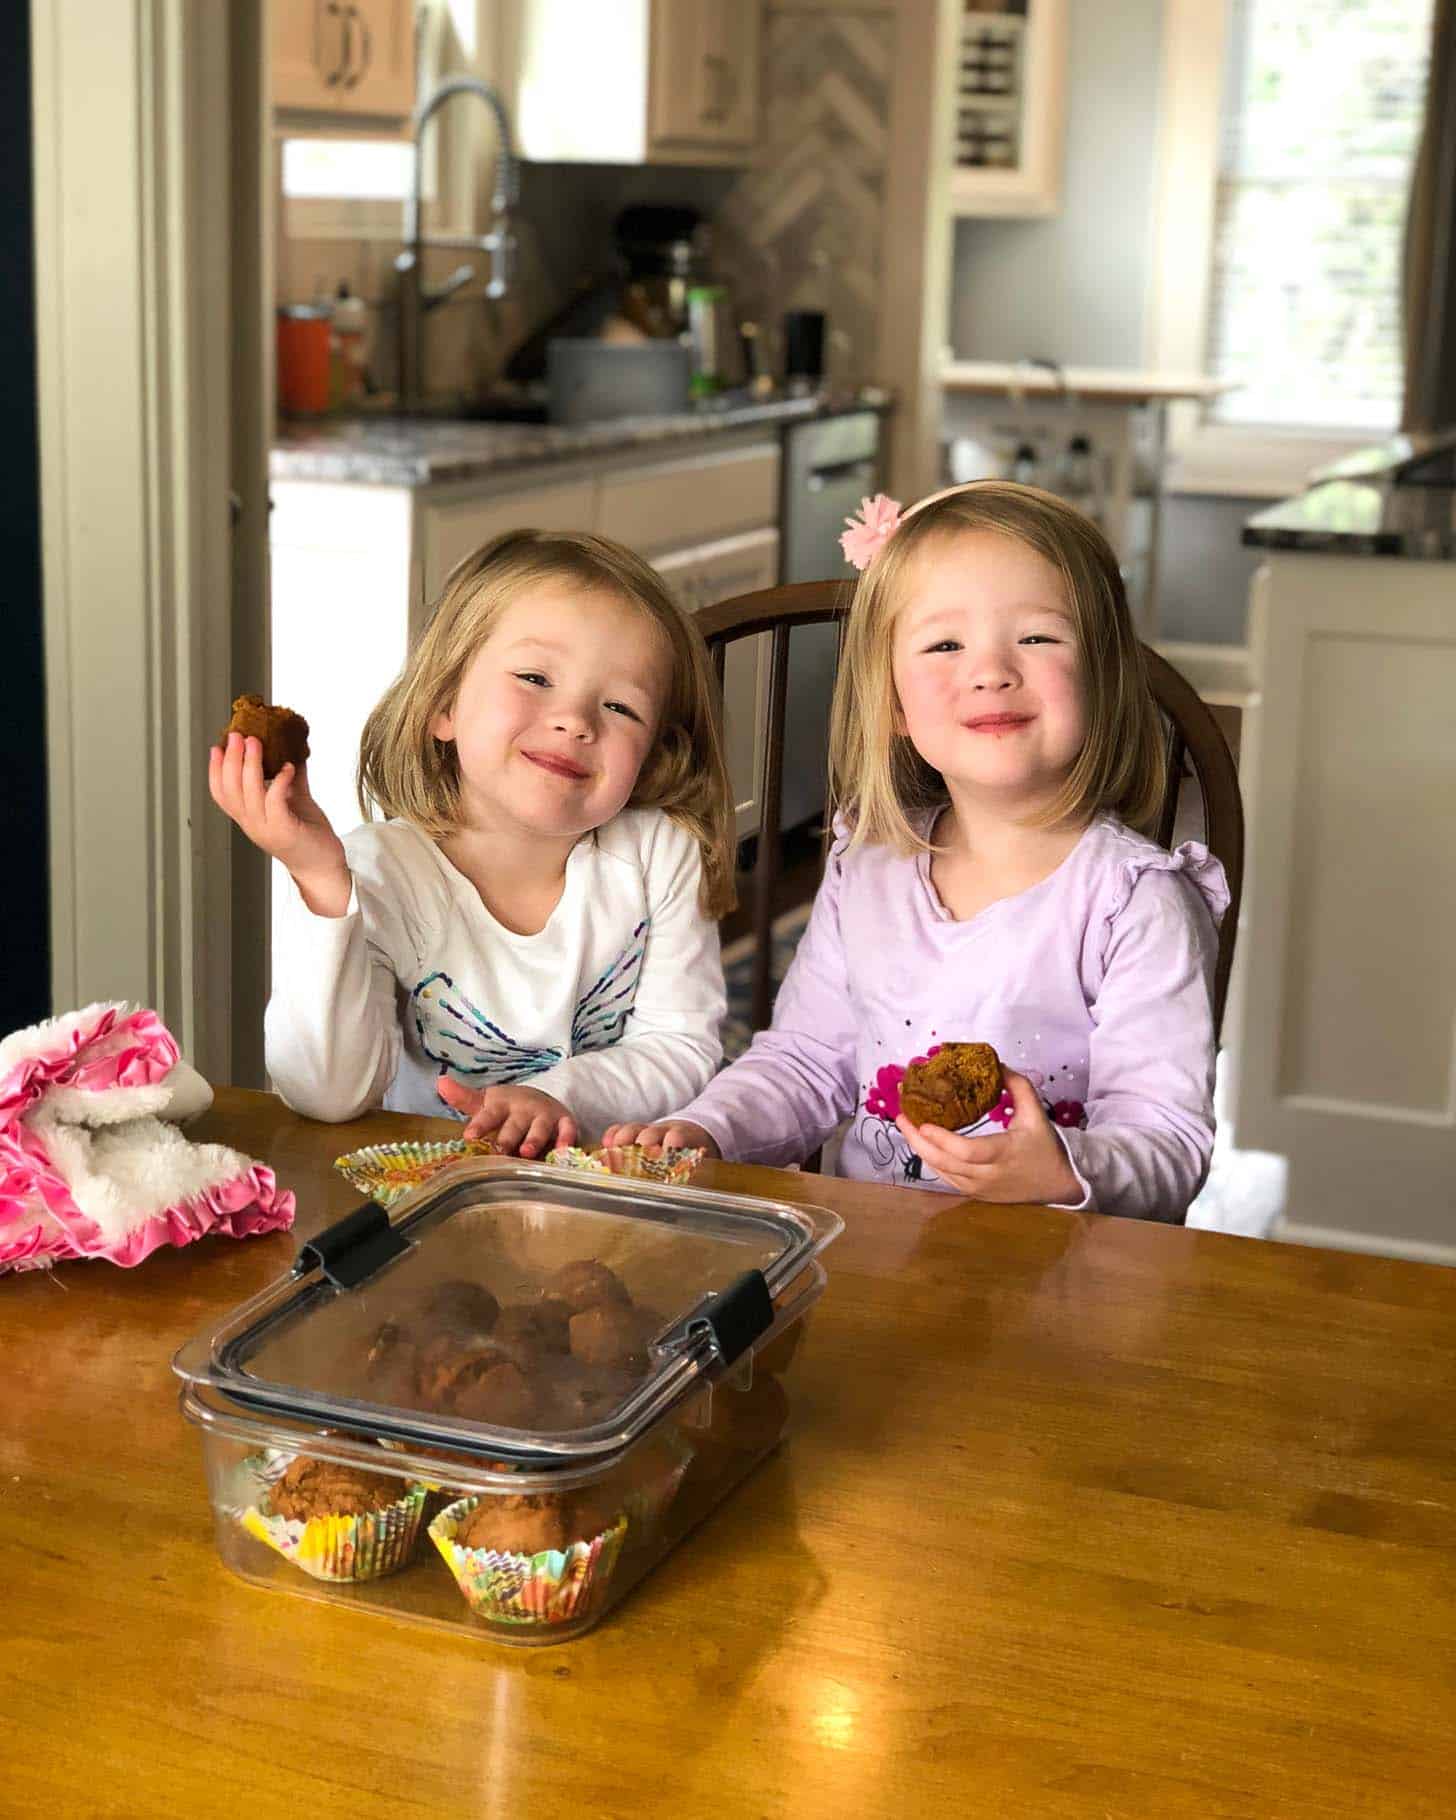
(530, 935)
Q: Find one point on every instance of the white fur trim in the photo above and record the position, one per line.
(44, 1038)
(122, 1176)
(114, 1106)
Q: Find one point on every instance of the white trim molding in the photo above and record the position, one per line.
(132, 262)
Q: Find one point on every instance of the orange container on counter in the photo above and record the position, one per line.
(304, 332)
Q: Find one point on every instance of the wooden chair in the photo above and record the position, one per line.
(1196, 749)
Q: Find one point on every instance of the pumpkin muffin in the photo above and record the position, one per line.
(337, 1522)
(956, 1086)
(284, 734)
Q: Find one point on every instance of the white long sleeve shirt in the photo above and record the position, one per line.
(613, 1008)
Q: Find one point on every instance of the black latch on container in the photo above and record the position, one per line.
(736, 1316)
(353, 1248)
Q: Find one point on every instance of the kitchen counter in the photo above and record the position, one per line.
(1078, 1516)
(1398, 499)
(427, 451)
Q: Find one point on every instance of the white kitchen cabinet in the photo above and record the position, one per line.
(1345, 1013)
(632, 81)
(1009, 115)
(343, 58)
(451, 531)
(688, 499)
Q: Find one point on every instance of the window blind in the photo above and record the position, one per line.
(1322, 109)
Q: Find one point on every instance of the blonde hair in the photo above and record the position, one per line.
(405, 772)
(880, 782)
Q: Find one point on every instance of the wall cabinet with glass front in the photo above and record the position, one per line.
(344, 58)
(632, 81)
(1009, 113)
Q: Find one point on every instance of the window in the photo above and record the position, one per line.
(359, 170)
(1321, 118)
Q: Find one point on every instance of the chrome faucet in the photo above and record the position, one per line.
(414, 300)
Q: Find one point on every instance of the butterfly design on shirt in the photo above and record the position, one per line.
(457, 1035)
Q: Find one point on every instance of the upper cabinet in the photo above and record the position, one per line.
(1010, 109)
(633, 81)
(344, 58)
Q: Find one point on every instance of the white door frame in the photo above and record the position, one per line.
(133, 319)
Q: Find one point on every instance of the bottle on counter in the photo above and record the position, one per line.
(348, 371)
(1024, 465)
(1076, 478)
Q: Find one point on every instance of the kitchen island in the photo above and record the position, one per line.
(1345, 1062)
(1077, 1517)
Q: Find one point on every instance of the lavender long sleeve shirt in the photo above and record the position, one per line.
(1097, 984)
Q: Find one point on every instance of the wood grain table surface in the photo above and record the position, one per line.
(1078, 1517)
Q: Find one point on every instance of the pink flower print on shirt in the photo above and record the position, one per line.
(1004, 1110)
(1070, 1113)
(883, 1099)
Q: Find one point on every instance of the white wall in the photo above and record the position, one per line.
(1072, 288)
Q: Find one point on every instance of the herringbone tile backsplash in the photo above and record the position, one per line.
(803, 228)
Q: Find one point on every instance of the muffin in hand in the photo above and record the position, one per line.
(956, 1086)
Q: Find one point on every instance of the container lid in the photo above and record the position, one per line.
(514, 1311)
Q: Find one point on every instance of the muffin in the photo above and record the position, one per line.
(956, 1086)
(337, 1522)
(527, 1331)
(540, 1558)
(501, 1394)
(577, 1396)
(585, 1283)
(321, 1488)
(752, 1420)
(610, 1336)
(283, 733)
(442, 1362)
(462, 1306)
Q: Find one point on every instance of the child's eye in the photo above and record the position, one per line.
(620, 707)
(532, 676)
(943, 644)
(1040, 638)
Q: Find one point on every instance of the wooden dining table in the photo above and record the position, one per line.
(1076, 1517)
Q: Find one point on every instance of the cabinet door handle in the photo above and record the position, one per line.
(715, 74)
(332, 11)
(366, 46)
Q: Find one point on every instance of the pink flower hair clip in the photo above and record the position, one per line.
(868, 532)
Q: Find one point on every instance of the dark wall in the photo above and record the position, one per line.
(24, 897)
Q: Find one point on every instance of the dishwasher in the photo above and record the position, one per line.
(829, 466)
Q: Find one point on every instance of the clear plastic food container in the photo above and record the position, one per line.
(499, 1405)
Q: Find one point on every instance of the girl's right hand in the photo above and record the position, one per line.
(283, 820)
(677, 1135)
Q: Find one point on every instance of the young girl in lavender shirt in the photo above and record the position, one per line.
(995, 748)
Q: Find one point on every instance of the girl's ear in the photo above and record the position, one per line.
(443, 725)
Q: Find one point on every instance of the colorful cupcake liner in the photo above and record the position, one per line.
(551, 1587)
(336, 1548)
(647, 1163)
(386, 1171)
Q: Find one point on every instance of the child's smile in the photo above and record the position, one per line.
(556, 711)
(987, 669)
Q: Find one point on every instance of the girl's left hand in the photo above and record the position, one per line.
(519, 1121)
(1025, 1163)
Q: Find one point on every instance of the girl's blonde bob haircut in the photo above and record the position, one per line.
(881, 784)
(406, 773)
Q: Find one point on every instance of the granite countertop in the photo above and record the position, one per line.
(425, 451)
(1396, 500)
